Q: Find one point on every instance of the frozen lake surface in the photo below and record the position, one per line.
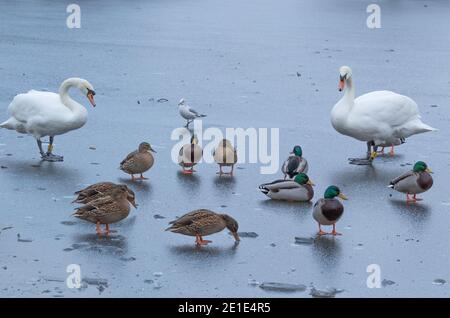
(236, 61)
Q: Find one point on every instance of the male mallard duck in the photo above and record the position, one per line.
(299, 189)
(225, 155)
(101, 189)
(295, 163)
(204, 222)
(416, 181)
(106, 210)
(138, 161)
(188, 113)
(190, 155)
(328, 210)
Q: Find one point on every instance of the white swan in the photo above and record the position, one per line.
(378, 118)
(44, 114)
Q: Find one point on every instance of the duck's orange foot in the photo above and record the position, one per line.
(186, 171)
(203, 242)
(320, 233)
(143, 178)
(334, 233)
(98, 230)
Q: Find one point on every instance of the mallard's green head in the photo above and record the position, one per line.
(421, 166)
(332, 192)
(302, 178)
(297, 151)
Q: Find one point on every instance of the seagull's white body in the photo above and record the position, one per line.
(383, 117)
(187, 112)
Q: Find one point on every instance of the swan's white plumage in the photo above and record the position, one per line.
(380, 116)
(47, 114)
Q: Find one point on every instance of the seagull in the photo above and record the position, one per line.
(187, 112)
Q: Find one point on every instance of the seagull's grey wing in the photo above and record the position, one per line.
(193, 111)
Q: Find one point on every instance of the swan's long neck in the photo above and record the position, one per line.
(349, 93)
(79, 113)
(342, 109)
(75, 107)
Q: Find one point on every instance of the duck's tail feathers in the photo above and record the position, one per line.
(391, 186)
(263, 189)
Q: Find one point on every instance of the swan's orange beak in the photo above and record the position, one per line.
(90, 96)
(341, 85)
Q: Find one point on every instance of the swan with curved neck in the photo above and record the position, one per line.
(42, 114)
(379, 118)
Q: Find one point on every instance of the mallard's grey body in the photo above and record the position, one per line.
(288, 190)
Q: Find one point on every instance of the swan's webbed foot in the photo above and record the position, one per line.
(367, 161)
(360, 161)
(52, 158)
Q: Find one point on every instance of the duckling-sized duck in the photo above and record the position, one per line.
(328, 210)
(138, 161)
(204, 222)
(189, 155)
(299, 189)
(396, 142)
(106, 210)
(413, 182)
(225, 155)
(100, 189)
(295, 163)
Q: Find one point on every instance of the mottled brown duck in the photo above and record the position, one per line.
(204, 222)
(138, 161)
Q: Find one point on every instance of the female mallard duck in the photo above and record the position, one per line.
(138, 161)
(397, 142)
(100, 189)
(295, 163)
(416, 181)
(106, 210)
(203, 222)
(328, 210)
(189, 155)
(299, 189)
(225, 155)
